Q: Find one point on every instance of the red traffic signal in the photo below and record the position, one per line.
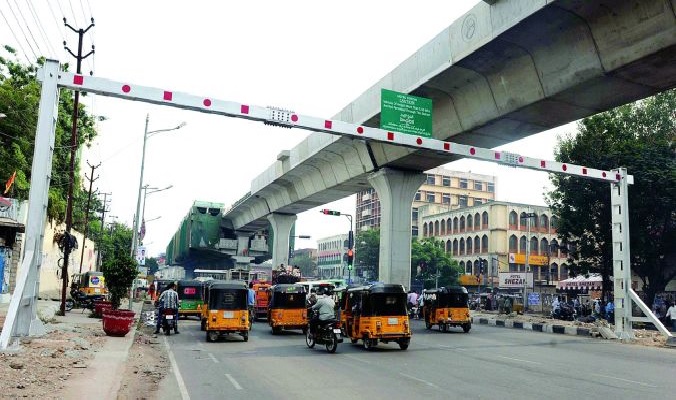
(350, 256)
(326, 211)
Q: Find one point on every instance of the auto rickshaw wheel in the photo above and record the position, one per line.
(403, 343)
(212, 336)
(444, 327)
(428, 324)
(354, 340)
(245, 335)
(466, 327)
(276, 330)
(369, 344)
(203, 325)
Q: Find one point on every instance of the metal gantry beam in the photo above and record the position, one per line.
(51, 78)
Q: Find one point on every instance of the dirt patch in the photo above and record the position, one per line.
(147, 364)
(42, 366)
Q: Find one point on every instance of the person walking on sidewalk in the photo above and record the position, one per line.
(168, 300)
(671, 313)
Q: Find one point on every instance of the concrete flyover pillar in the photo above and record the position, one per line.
(281, 226)
(396, 191)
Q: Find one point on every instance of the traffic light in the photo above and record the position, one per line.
(350, 257)
(326, 211)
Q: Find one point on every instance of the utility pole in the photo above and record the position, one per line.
(103, 218)
(73, 149)
(89, 199)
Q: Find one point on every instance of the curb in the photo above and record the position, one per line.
(534, 326)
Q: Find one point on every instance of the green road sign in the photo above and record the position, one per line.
(404, 113)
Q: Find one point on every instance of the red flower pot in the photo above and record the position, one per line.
(117, 322)
(101, 305)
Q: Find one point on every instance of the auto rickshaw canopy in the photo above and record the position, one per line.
(227, 295)
(288, 296)
(452, 296)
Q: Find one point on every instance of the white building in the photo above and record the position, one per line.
(331, 256)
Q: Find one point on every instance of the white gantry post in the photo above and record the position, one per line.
(22, 313)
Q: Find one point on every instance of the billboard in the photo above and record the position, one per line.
(141, 255)
(405, 113)
(515, 280)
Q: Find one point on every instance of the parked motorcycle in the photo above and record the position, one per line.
(328, 333)
(80, 300)
(564, 312)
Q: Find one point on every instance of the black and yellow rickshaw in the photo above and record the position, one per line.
(191, 297)
(446, 307)
(88, 285)
(376, 313)
(287, 308)
(226, 309)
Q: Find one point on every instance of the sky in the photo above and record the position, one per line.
(307, 56)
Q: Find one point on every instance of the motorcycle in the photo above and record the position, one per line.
(328, 333)
(80, 300)
(564, 312)
(168, 320)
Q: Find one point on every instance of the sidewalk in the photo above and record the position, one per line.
(104, 370)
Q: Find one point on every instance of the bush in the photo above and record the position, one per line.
(119, 273)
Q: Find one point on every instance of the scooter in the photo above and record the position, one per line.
(564, 312)
(328, 333)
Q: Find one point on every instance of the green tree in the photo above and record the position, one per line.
(306, 264)
(429, 260)
(118, 267)
(19, 100)
(367, 251)
(639, 137)
(152, 265)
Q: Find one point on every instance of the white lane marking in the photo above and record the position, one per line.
(520, 360)
(356, 358)
(452, 348)
(213, 358)
(430, 384)
(233, 381)
(626, 380)
(177, 373)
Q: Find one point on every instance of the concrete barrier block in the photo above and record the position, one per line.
(570, 330)
(500, 322)
(518, 325)
(509, 324)
(491, 322)
(527, 326)
(560, 329)
(607, 333)
(538, 327)
(583, 332)
(483, 321)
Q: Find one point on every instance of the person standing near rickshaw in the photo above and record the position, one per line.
(251, 302)
(167, 300)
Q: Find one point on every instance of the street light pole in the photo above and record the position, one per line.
(134, 240)
(527, 217)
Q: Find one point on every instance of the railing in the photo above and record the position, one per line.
(230, 244)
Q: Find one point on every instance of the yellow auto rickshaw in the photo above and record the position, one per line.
(90, 284)
(447, 307)
(287, 308)
(226, 310)
(376, 313)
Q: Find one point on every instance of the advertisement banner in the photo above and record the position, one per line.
(141, 255)
(515, 280)
(520, 258)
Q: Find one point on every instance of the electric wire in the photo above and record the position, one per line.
(72, 10)
(41, 29)
(18, 42)
(59, 26)
(22, 32)
(30, 32)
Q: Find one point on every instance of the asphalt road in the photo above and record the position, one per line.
(488, 362)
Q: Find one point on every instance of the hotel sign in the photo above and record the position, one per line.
(515, 280)
(520, 258)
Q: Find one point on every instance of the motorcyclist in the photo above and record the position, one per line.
(325, 307)
(168, 300)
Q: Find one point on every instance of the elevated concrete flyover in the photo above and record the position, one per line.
(505, 70)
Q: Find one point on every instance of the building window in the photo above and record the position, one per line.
(513, 218)
(455, 247)
(477, 244)
(417, 195)
(469, 223)
(462, 246)
(445, 198)
(430, 197)
(478, 201)
(414, 213)
(513, 245)
(477, 221)
(449, 226)
(522, 245)
(455, 225)
(484, 220)
(544, 222)
(430, 179)
(554, 223)
(490, 187)
(443, 227)
(462, 223)
(462, 201)
(469, 245)
(436, 228)
(446, 181)
(425, 229)
(533, 245)
(414, 231)
(484, 244)
(463, 184)
(448, 246)
(478, 185)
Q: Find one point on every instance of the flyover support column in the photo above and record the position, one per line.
(281, 226)
(396, 191)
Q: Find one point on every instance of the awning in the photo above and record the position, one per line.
(10, 223)
(590, 282)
